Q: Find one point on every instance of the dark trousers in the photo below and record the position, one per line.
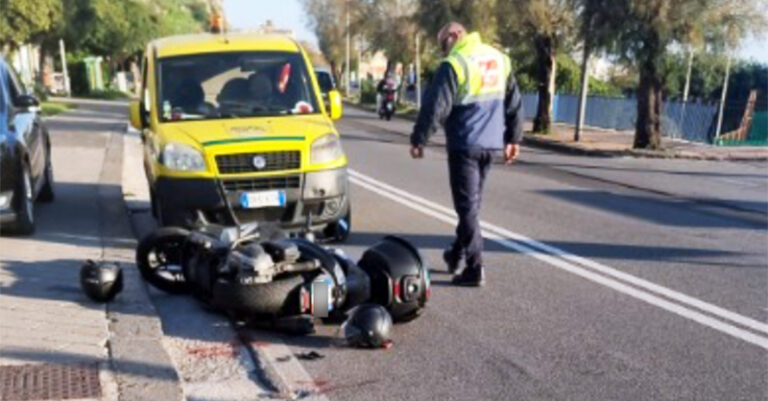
(468, 169)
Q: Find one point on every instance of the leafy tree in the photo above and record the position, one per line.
(645, 30)
(390, 26)
(328, 19)
(432, 15)
(549, 26)
(23, 20)
(475, 15)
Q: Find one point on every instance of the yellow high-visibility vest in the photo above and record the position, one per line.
(481, 70)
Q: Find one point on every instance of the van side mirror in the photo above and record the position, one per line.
(334, 101)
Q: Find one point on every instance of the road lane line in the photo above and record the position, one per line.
(647, 297)
(639, 282)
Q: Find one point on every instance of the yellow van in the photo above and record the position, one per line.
(240, 116)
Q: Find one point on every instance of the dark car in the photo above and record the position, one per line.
(26, 174)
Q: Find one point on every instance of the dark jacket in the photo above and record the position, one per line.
(480, 125)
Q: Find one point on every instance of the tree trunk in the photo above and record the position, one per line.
(649, 102)
(545, 54)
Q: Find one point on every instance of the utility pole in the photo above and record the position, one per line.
(359, 62)
(418, 73)
(722, 98)
(64, 68)
(346, 66)
(687, 87)
(583, 91)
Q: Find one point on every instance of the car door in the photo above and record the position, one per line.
(28, 130)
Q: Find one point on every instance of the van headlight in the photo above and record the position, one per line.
(176, 156)
(326, 149)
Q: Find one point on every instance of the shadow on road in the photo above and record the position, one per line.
(69, 219)
(647, 170)
(662, 211)
(694, 256)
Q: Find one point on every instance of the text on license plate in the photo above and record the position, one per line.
(251, 200)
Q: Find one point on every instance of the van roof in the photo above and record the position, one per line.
(214, 43)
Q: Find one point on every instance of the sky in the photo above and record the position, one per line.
(290, 14)
(241, 14)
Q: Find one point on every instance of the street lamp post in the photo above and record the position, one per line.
(583, 93)
(687, 87)
(722, 99)
(346, 66)
(64, 68)
(418, 74)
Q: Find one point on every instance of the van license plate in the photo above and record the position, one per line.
(253, 200)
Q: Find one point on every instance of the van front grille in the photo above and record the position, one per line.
(258, 162)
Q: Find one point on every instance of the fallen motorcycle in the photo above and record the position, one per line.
(261, 276)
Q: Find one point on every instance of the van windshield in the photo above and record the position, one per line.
(233, 85)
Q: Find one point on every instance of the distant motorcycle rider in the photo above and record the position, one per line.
(475, 97)
(385, 85)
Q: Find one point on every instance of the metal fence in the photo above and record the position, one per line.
(692, 121)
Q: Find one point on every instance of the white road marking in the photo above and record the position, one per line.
(661, 290)
(563, 260)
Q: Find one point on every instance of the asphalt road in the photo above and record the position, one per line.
(545, 327)
(608, 279)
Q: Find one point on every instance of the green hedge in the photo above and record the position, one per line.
(368, 93)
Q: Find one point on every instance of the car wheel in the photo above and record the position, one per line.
(25, 212)
(46, 193)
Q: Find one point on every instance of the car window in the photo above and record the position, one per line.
(3, 90)
(232, 85)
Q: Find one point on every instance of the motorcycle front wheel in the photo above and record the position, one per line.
(159, 258)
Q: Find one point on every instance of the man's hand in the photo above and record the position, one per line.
(511, 151)
(417, 152)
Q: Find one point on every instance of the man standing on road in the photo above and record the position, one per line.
(475, 97)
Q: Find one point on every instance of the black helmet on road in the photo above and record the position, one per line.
(101, 281)
(399, 279)
(368, 326)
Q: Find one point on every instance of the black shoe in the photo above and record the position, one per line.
(451, 261)
(470, 278)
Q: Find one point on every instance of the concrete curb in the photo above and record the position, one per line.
(281, 368)
(142, 365)
(265, 354)
(531, 141)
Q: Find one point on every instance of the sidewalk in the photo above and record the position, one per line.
(610, 143)
(55, 343)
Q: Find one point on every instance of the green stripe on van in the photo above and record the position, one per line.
(253, 139)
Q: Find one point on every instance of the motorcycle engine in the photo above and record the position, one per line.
(251, 264)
